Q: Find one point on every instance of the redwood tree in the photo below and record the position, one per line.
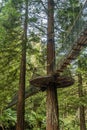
(80, 92)
(21, 94)
(52, 103)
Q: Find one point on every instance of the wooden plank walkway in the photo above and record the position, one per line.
(74, 52)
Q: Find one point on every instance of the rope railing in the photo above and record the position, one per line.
(74, 33)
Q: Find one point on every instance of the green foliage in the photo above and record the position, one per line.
(8, 118)
(69, 123)
(35, 113)
(11, 32)
(9, 51)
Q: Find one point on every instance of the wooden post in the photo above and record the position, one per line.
(52, 102)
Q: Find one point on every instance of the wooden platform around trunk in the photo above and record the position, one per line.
(45, 81)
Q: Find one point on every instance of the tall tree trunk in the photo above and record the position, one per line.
(21, 94)
(52, 102)
(81, 109)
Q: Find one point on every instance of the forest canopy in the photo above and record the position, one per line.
(25, 32)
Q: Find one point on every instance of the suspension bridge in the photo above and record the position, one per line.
(75, 41)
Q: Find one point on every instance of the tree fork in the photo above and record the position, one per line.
(52, 102)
